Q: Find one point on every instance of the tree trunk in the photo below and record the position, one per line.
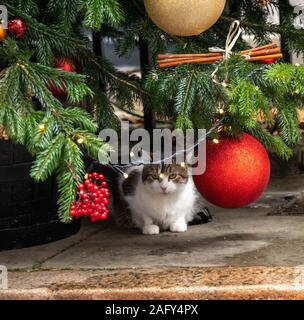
(284, 7)
(146, 65)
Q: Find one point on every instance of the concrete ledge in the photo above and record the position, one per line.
(164, 283)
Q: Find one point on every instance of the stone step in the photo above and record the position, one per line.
(159, 283)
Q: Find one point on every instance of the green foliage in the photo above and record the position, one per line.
(49, 159)
(250, 93)
(31, 115)
(60, 135)
(69, 176)
(98, 12)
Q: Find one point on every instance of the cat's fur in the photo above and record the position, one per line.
(157, 197)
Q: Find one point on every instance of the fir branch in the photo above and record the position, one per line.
(98, 12)
(47, 39)
(184, 100)
(271, 143)
(79, 118)
(48, 160)
(67, 181)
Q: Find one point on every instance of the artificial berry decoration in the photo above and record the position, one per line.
(66, 65)
(17, 27)
(93, 197)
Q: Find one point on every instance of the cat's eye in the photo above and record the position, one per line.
(155, 176)
(172, 176)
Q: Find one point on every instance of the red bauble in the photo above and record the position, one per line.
(66, 65)
(267, 61)
(58, 93)
(17, 27)
(237, 172)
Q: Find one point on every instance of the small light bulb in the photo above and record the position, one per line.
(41, 127)
(126, 176)
(216, 141)
(183, 164)
(221, 111)
(132, 154)
(80, 140)
(224, 84)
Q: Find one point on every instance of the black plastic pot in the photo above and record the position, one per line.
(28, 211)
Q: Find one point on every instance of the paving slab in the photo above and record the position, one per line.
(33, 257)
(242, 253)
(242, 237)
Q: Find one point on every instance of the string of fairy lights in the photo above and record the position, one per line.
(234, 34)
(218, 124)
(120, 168)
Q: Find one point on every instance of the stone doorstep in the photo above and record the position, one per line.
(198, 283)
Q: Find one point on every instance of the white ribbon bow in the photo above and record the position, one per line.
(233, 35)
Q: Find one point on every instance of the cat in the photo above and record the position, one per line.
(159, 197)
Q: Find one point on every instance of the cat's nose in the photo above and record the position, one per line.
(164, 189)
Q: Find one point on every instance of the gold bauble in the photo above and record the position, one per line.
(3, 33)
(184, 17)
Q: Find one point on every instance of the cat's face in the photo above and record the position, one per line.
(165, 179)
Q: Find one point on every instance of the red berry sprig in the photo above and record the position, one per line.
(92, 200)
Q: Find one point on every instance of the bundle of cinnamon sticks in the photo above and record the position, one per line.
(269, 51)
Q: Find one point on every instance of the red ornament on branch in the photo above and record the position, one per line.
(237, 172)
(66, 65)
(17, 27)
(267, 61)
(92, 200)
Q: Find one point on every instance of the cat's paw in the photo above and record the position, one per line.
(180, 226)
(151, 229)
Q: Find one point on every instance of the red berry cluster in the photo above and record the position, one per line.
(93, 198)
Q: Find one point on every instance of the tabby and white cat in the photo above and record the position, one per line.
(157, 198)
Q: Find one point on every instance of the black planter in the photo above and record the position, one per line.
(28, 211)
(282, 168)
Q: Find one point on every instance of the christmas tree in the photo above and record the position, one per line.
(57, 90)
